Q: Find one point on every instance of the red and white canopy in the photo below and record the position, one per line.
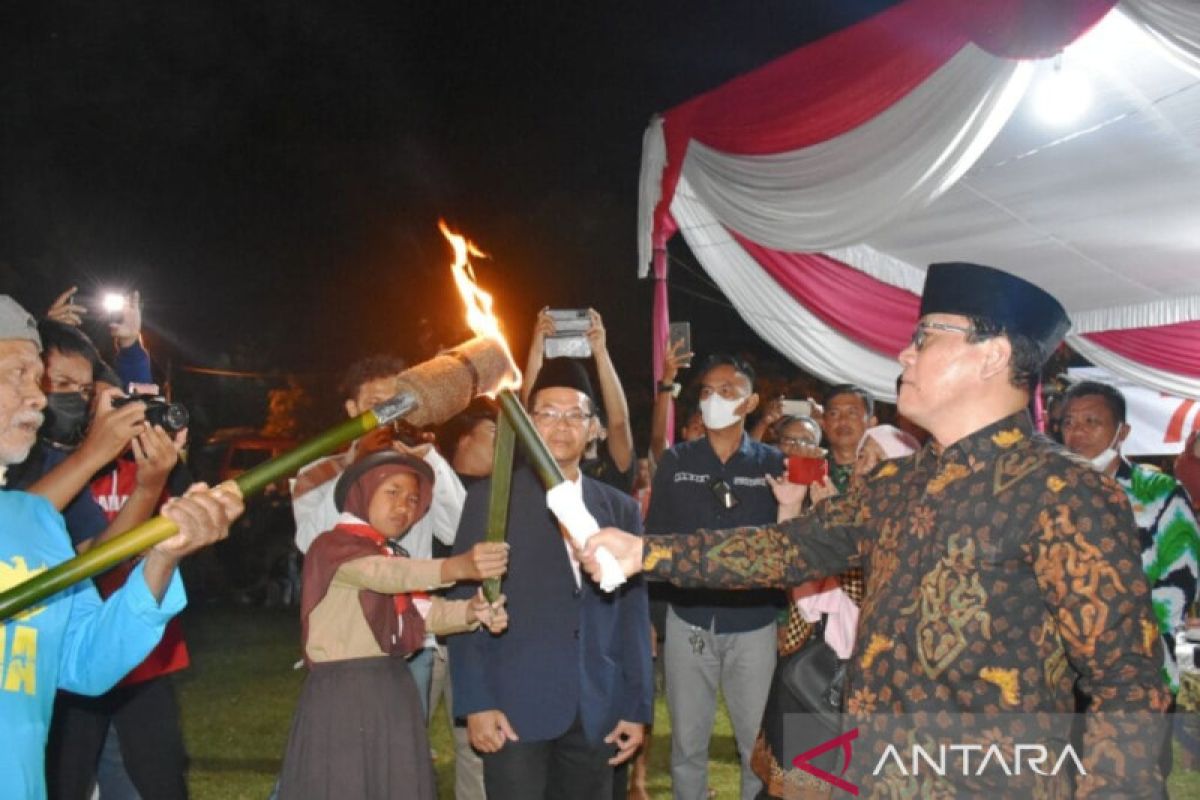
(816, 189)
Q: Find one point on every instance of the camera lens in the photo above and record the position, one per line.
(174, 417)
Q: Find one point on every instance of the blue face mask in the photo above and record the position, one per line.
(66, 419)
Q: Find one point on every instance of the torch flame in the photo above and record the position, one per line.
(478, 303)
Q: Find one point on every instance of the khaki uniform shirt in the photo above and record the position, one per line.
(337, 629)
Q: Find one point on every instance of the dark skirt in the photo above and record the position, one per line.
(358, 734)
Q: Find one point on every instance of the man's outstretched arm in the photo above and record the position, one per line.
(784, 554)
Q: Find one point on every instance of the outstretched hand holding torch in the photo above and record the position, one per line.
(428, 393)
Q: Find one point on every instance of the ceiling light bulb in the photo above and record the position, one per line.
(1062, 95)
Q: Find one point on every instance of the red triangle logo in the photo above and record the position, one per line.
(802, 761)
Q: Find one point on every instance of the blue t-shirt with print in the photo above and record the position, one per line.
(71, 640)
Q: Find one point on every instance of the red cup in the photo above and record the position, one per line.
(806, 470)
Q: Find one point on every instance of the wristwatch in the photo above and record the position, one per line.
(672, 388)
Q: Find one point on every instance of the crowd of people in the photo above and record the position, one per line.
(954, 561)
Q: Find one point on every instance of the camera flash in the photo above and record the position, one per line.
(114, 302)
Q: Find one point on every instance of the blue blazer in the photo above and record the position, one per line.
(568, 651)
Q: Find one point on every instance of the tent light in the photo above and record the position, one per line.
(1062, 95)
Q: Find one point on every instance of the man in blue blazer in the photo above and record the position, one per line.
(563, 696)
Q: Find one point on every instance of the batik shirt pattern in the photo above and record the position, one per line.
(1170, 550)
(999, 571)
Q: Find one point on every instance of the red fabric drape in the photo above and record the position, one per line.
(1171, 348)
(1029, 28)
(830, 86)
(872, 313)
(881, 316)
(814, 93)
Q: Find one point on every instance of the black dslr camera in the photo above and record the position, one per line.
(172, 417)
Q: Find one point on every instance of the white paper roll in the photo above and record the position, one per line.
(566, 501)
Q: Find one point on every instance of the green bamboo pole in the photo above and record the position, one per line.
(540, 459)
(152, 531)
(497, 524)
(513, 425)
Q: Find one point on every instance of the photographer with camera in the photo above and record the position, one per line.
(141, 711)
(83, 433)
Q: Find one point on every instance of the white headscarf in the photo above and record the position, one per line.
(894, 442)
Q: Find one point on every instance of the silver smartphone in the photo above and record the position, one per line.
(569, 339)
(681, 332)
(797, 408)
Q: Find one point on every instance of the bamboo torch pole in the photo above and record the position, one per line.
(497, 521)
(428, 393)
(572, 514)
(531, 441)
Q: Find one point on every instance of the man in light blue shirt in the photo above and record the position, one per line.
(71, 640)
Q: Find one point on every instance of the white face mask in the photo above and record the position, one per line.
(1105, 457)
(719, 413)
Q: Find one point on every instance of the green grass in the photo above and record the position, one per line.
(238, 697)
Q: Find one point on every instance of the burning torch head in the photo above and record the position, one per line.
(444, 385)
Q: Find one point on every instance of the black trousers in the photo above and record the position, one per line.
(567, 768)
(146, 716)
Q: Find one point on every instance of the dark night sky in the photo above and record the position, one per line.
(269, 172)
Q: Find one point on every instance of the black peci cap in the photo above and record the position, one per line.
(563, 372)
(1014, 304)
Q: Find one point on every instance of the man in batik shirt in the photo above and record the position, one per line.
(1000, 571)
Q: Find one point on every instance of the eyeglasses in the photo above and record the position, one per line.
(921, 334)
(549, 417)
(792, 441)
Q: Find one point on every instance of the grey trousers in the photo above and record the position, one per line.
(738, 664)
(468, 766)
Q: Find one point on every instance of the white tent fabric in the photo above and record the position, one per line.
(775, 315)
(899, 273)
(1175, 23)
(1134, 372)
(1104, 214)
(654, 158)
(839, 191)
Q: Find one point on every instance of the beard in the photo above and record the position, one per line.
(25, 422)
